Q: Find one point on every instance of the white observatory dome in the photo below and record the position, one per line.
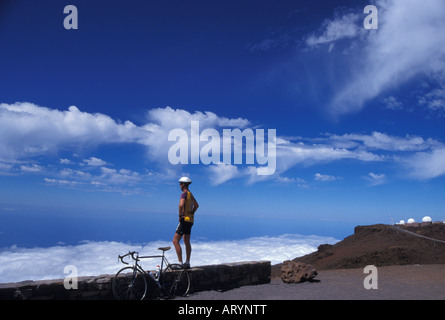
(402, 222)
(411, 220)
(427, 219)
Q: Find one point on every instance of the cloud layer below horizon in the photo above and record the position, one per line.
(96, 258)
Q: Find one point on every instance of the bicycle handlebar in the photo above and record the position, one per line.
(130, 253)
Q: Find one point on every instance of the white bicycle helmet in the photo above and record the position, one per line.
(185, 180)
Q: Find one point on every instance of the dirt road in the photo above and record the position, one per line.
(417, 282)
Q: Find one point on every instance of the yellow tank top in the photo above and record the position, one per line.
(188, 206)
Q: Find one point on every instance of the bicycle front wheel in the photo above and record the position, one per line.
(180, 285)
(129, 284)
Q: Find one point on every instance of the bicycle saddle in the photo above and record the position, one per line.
(164, 248)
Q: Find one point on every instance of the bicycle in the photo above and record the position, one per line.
(134, 283)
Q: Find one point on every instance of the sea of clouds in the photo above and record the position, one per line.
(96, 258)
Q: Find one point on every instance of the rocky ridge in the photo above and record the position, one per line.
(380, 245)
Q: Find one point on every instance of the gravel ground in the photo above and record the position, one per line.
(411, 282)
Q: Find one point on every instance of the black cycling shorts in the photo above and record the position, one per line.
(184, 228)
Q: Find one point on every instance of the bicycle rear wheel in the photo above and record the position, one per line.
(129, 284)
(179, 285)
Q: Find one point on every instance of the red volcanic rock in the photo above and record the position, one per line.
(295, 272)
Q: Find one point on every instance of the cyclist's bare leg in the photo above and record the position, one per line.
(188, 247)
(178, 249)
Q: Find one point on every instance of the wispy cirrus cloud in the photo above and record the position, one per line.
(383, 141)
(408, 43)
(419, 158)
(340, 27)
(96, 174)
(426, 165)
(307, 152)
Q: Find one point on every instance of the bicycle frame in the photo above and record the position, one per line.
(136, 258)
(167, 289)
(163, 260)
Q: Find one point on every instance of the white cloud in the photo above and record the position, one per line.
(434, 100)
(65, 161)
(169, 118)
(376, 178)
(426, 165)
(95, 258)
(289, 180)
(123, 176)
(299, 182)
(95, 162)
(31, 168)
(290, 154)
(324, 177)
(61, 182)
(293, 154)
(28, 130)
(162, 120)
(105, 179)
(409, 42)
(383, 141)
(374, 147)
(221, 172)
(5, 167)
(75, 174)
(392, 103)
(340, 27)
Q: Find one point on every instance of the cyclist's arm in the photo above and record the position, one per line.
(181, 207)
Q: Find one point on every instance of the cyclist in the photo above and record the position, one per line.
(187, 208)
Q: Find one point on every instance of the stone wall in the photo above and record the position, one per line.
(211, 277)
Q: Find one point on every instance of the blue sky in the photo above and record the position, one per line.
(85, 115)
